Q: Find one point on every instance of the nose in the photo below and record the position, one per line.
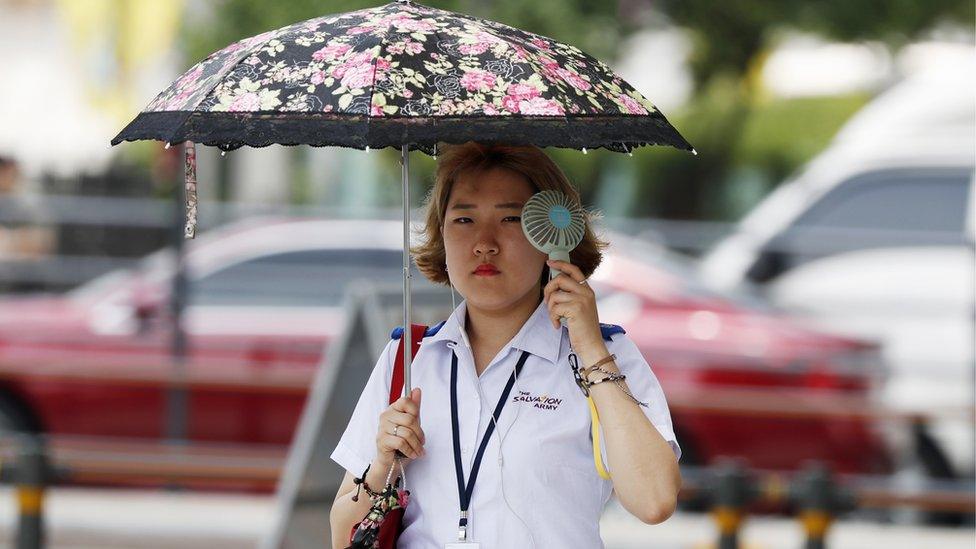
(486, 242)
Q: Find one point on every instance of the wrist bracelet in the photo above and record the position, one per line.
(610, 377)
(601, 370)
(361, 484)
(616, 379)
(590, 369)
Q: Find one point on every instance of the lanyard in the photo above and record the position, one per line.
(465, 491)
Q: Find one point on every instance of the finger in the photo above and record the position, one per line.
(405, 440)
(414, 447)
(411, 434)
(405, 446)
(399, 418)
(555, 313)
(567, 310)
(567, 284)
(405, 420)
(564, 267)
(562, 296)
(559, 283)
(392, 419)
(567, 268)
(404, 404)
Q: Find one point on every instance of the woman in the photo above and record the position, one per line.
(535, 483)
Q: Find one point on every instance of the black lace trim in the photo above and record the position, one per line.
(232, 130)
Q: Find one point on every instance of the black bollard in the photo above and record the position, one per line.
(731, 489)
(31, 475)
(818, 499)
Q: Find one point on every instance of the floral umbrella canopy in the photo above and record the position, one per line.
(401, 75)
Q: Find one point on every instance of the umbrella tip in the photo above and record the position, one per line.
(694, 152)
(167, 146)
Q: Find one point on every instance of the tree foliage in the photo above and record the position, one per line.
(723, 120)
(730, 34)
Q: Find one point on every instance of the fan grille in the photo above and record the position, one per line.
(553, 221)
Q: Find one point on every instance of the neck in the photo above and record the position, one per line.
(490, 329)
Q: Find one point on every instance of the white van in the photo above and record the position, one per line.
(874, 238)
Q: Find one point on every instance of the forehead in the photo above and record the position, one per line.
(493, 183)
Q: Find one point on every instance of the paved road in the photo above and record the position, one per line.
(115, 519)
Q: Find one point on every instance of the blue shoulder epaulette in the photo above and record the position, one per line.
(609, 329)
(397, 332)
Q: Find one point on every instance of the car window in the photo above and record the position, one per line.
(305, 278)
(903, 200)
(889, 208)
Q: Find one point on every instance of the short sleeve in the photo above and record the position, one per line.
(644, 384)
(357, 446)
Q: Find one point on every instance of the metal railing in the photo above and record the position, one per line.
(730, 491)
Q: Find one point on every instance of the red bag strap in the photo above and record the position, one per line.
(417, 332)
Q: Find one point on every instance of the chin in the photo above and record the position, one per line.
(491, 299)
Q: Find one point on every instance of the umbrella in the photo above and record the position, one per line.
(399, 75)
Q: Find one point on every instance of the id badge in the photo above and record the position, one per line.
(463, 545)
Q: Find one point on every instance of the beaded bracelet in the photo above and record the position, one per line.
(361, 484)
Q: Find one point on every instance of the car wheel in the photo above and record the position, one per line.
(14, 417)
(929, 464)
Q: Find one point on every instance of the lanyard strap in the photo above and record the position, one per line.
(465, 491)
(594, 419)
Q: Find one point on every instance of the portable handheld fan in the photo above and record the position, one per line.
(554, 224)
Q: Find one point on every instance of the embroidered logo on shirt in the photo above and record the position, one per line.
(544, 402)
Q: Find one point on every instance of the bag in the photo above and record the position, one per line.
(381, 527)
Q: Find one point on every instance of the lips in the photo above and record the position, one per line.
(486, 269)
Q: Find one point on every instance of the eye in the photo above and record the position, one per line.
(515, 218)
(462, 219)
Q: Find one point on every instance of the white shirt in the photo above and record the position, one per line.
(547, 472)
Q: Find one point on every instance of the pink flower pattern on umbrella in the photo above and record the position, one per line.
(402, 71)
(414, 40)
(478, 80)
(540, 106)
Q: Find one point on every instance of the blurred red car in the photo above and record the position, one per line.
(264, 303)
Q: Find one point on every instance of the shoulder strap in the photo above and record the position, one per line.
(417, 332)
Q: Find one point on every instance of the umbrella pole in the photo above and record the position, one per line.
(407, 332)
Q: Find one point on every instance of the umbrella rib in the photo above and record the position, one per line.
(372, 87)
(245, 52)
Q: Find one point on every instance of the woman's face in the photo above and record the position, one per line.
(482, 224)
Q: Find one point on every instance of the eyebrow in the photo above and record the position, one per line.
(503, 205)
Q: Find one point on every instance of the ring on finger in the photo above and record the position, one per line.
(394, 431)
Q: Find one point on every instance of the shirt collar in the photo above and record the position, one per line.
(536, 336)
